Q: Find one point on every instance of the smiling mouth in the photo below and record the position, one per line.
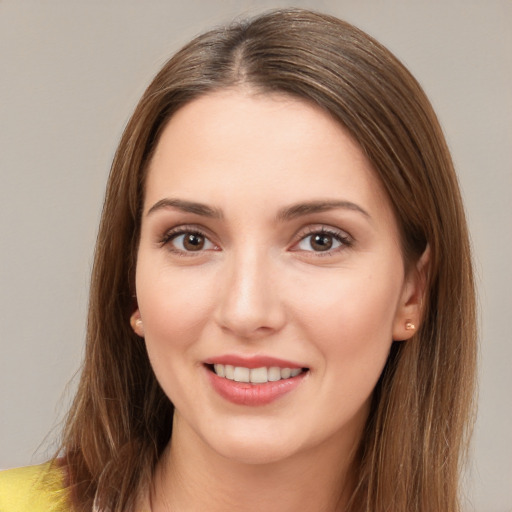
(260, 375)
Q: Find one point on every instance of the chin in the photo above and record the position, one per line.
(255, 452)
(248, 440)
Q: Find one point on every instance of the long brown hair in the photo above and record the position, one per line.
(409, 458)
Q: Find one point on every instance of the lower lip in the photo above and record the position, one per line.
(244, 393)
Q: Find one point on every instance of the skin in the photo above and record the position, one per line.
(260, 286)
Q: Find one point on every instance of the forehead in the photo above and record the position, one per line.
(265, 148)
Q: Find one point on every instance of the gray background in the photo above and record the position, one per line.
(71, 73)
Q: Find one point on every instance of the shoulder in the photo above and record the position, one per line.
(33, 489)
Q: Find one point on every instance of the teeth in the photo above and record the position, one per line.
(258, 375)
(219, 370)
(255, 375)
(274, 374)
(285, 373)
(229, 371)
(241, 374)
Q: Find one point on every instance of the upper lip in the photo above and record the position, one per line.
(256, 361)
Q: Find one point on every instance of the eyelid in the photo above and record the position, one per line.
(170, 234)
(342, 236)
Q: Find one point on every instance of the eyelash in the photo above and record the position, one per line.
(172, 234)
(345, 240)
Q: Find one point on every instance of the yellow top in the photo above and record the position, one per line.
(33, 489)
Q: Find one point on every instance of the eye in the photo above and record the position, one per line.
(187, 241)
(322, 240)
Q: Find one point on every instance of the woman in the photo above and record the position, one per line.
(282, 304)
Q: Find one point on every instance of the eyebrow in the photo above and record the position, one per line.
(285, 214)
(310, 207)
(188, 207)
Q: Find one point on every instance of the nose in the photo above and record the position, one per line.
(249, 304)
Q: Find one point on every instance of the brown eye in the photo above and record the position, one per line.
(321, 242)
(190, 241)
(193, 242)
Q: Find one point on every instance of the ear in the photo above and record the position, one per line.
(410, 308)
(136, 323)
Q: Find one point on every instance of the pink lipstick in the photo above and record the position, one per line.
(255, 380)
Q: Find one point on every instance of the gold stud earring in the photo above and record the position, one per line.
(136, 323)
(409, 326)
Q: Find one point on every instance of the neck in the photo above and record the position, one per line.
(189, 478)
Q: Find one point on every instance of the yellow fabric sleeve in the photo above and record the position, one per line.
(33, 489)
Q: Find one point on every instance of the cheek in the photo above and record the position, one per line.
(174, 307)
(351, 322)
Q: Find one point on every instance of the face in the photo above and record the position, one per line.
(270, 281)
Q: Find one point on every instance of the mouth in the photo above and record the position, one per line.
(261, 375)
